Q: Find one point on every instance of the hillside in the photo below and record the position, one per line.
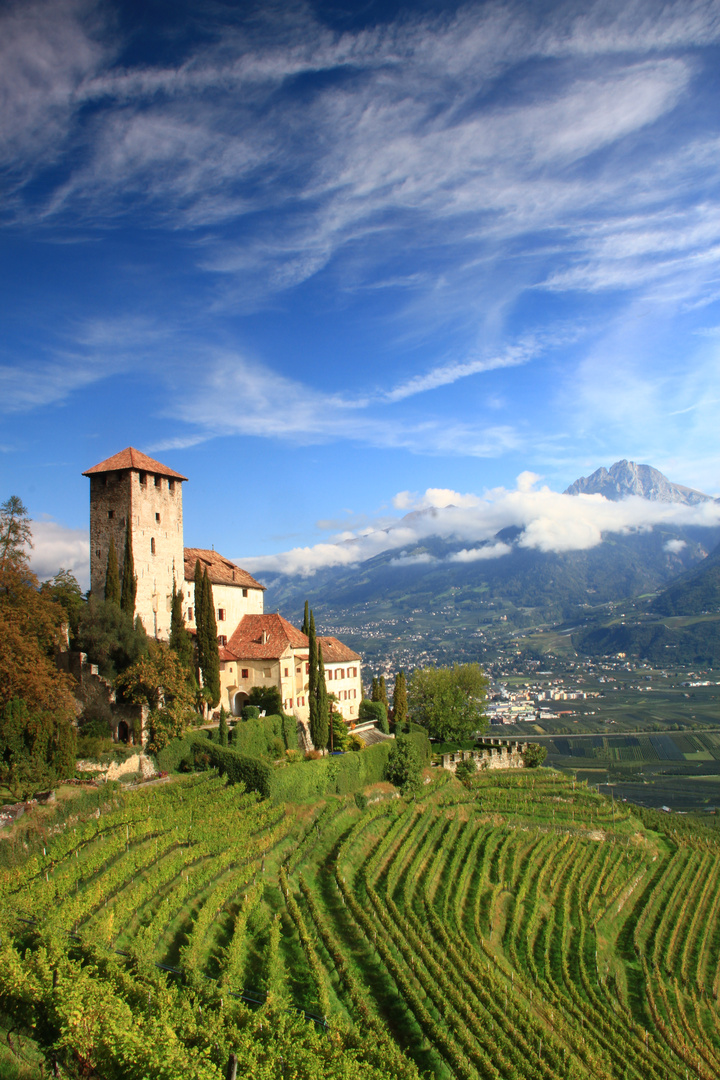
(522, 927)
(694, 592)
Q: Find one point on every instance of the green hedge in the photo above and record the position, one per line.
(255, 774)
(177, 750)
(419, 736)
(331, 775)
(257, 737)
(302, 780)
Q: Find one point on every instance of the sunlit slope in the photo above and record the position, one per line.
(522, 928)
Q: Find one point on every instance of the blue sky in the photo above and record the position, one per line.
(316, 256)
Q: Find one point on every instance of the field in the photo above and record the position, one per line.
(523, 927)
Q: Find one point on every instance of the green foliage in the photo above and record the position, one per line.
(15, 533)
(306, 620)
(109, 637)
(405, 764)
(375, 689)
(400, 706)
(129, 579)
(382, 691)
(339, 729)
(180, 641)
(253, 772)
(250, 712)
(36, 749)
(449, 702)
(211, 655)
(323, 713)
(64, 589)
(199, 614)
(266, 699)
(223, 727)
(257, 736)
(534, 755)
(112, 576)
(316, 699)
(308, 780)
(376, 711)
(465, 770)
(159, 681)
(176, 754)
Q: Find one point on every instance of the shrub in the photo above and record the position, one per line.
(250, 712)
(373, 710)
(405, 764)
(465, 770)
(534, 755)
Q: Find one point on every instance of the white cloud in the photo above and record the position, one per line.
(674, 546)
(56, 546)
(548, 521)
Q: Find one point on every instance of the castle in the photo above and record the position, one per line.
(255, 649)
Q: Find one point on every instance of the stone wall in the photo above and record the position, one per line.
(153, 504)
(490, 754)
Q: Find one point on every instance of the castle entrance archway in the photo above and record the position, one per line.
(123, 732)
(239, 702)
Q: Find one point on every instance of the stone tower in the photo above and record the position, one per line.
(131, 486)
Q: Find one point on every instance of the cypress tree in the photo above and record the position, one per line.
(312, 683)
(306, 620)
(211, 670)
(112, 576)
(222, 727)
(198, 602)
(129, 580)
(375, 691)
(323, 715)
(382, 691)
(180, 640)
(400, 708)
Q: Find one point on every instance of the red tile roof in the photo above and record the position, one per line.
(334, 651)
(247, 641)
(130, 458)
(220, 570)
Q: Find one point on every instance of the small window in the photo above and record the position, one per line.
(190, 614)
(244, 592)
(267, 672)
(222, 640)
(97, 552)
(342, 673)
(221, 614)
(287, 672)
(298, 670)
(171, 487)
(157, 518)
(152, 545)
(158, 481)
(244, 673)
(111, 514)
(143, 479)
(307, 666)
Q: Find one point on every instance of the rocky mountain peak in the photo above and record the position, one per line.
(626, 478)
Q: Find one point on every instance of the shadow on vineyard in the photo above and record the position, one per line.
(522, 926)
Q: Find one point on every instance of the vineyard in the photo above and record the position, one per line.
(519, 927)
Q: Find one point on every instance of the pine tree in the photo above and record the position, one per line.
(382, 691)
(211, 669)
(323, 715)
(222, 727)
(112, 576)
(400, 708)
(129, 580)
(180, 640)
(306, 621)
(199, 625)
(375, 690)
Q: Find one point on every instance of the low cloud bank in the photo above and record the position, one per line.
(548, 521)
(56, 546)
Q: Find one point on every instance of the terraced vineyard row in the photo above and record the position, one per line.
(523, 927)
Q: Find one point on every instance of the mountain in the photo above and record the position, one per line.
(693, 593)
(626, 478)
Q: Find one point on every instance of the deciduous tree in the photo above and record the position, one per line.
(36, 748)
(405, 766)
(449, 701)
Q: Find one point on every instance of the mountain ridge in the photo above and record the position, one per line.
(625, 478)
